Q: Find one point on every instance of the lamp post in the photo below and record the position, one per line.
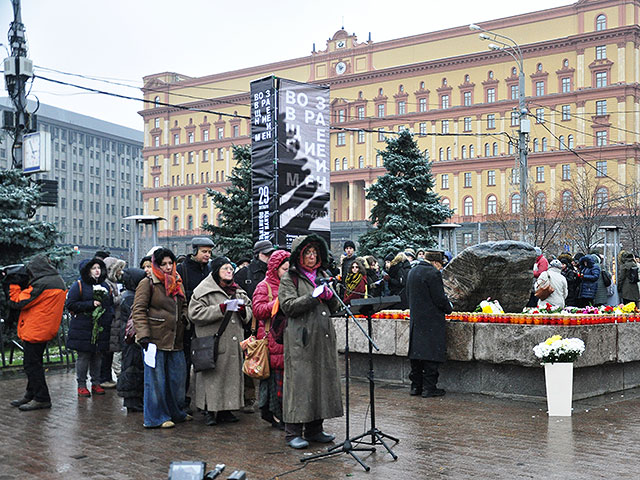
(513, 49)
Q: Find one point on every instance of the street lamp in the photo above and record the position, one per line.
(508, 45)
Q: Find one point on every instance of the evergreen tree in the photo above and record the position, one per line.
(406, 205)
(233, 237)
(20, 236)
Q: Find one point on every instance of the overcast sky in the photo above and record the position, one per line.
(122, 41)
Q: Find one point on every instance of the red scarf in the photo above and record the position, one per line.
(172, 281)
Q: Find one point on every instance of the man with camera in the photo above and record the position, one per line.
(40, 302)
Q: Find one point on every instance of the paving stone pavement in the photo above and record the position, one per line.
(459, 436)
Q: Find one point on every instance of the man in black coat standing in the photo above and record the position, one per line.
(428, 305)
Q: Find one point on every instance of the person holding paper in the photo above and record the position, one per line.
(221, 389)
(159, 315)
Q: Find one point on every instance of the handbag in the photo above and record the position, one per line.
(130, 328)
(256, 362)
(204, 350)
(543, 291)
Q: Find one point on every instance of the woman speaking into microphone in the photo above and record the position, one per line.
(311, 378)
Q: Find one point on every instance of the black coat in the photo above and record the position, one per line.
(398, 274)
(573, 285)
(250, 276)
(192, 273)
(80, 304)
(429, 305)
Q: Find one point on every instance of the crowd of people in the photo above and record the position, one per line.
(138, 324)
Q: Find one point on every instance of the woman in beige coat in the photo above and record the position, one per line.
(222, 388)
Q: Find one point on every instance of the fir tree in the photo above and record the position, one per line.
(233, 237)
(406, 205)
(20, 236)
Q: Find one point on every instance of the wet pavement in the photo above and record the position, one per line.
(458, 436)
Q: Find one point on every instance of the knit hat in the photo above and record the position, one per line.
(410, 252)
(348, 243)
(216, 265)
(556, 264)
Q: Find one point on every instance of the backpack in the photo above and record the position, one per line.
(632, 275)
(606, 278)
(130, 328)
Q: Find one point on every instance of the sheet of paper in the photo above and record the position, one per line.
(150, 355)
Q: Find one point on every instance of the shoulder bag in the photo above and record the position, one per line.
(204, 350)
(545, 290)
(256, 362)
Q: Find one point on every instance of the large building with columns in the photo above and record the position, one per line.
(582, 68)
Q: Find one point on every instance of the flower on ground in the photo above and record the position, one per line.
(556, 349)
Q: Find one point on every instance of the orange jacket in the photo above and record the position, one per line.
(41, 304)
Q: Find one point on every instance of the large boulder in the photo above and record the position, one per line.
(500, 270)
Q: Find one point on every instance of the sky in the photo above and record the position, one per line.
(122, 41)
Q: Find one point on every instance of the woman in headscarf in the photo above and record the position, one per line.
(311, 377)
(356, 281)
(159, 315)
(266, 307)
(220, 390)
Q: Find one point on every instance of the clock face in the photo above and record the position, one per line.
(32, 149)
(341, 44)
(341, 67)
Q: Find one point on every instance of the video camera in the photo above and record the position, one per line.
(196, 471)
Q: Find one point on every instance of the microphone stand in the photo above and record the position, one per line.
(347, 445)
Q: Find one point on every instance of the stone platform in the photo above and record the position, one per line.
(498, 359)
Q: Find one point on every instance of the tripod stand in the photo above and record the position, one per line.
(347, 445)
(369, 306)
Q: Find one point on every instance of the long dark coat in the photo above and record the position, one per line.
(311, 376)
(428, 305)
(80, 304)
(221, 388)
(628, 290)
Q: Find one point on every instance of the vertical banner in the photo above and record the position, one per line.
(303, 172)
(263, 153)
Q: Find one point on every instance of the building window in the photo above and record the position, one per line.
(539, 174)
(601, 52)
(491, 120)
(402, 108)
(220, 133)
(156, 141)
(536, 145)
(601, 79)
(601, 168)
(205, 135)
(236, 131)
(445, 202)
(539, 89)
(381, 136)
(381, 110)
(156, 182)
(156, 205)
(567, 200)
(492, 205)
(342, 139)
(601, 107)
(563, 146)
(423, 128)
(491, 95)
(205, 219)
(468, 207)
(515, 119)
(360, 161)
(487, 150)
(601, 138)
(378, 160)
(570, 141)
(464, 151)
(566, 112)
(512, 147)
(515, 176)
(467, 180)
(191, 137)
(336, 164)
(515, 92)
(539, 115)
(466, 99)
(495, 149)
(515, 203)
(467, 124)
(602, 197)
(541, 202)
(601, 23)
(360, 113)
(491, 178)
(472, 151)
(566, 84)
(176, 139)
(545, 144)
(445, 126)
(341, 116)
(467, 238)
(441, 154)
(360, 136)
(445, 101)
(444, 181)
(190, 222)
(449, 157)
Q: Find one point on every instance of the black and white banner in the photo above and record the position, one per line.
(263, 151)
(303, 161)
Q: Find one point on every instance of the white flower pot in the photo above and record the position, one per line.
(559, 381)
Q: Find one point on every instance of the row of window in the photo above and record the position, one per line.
(204, 220)
(191, 137)
(190, 201)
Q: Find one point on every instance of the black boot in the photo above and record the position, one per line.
(210, 419)
(415, 389)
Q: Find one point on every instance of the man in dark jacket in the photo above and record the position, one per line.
(347, 258)
(428, 305)
(41, 304)
(248, 279)
(193, 270)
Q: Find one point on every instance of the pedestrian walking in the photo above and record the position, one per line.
(41, 304)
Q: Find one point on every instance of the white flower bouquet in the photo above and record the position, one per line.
(559, 350)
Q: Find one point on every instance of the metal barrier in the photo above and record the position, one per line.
(9, 346)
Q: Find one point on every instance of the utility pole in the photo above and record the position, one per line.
(18, 69)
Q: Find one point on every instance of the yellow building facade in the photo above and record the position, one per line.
(582, 68)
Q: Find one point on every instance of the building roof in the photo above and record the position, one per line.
(86, 122)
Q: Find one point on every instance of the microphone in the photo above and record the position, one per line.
(325, 280)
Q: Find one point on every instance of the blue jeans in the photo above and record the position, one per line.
(164, 389)
(88, 361)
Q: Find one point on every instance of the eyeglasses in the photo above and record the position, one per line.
(310, 253)
(229, 268)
